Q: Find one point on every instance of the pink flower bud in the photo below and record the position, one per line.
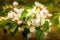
(15, 4)
(19, 22)
(11, 15)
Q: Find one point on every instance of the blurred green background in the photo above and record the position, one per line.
(52, 5)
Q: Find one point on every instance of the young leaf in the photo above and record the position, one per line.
(39, 33)
(46, 26)
(55, 20)
(5, 22)
(24, 13)
(29, 18)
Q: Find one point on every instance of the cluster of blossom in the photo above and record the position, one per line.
(39, 15)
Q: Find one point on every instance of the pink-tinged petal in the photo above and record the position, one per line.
(45, 15)
(11, 15)
(16, 10)
(15, 4)
(38, 15)
(19, 22)
(39, 5)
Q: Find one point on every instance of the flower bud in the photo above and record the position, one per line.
(19, 22)
(15, 3)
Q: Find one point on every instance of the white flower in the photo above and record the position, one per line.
(37, 20)
(18, 11)
(39, 5)
(15, 3)
(11, 14)
(32, 29)
(31, 11)
(43, 14)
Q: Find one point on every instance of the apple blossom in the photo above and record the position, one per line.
(32, 29)
(18, 11)
(37, 4)
(19, 22)
(11, 14)
(15, 3)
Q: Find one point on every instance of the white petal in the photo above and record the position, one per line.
(37, 4)
(32, 29)
(15, 3)
(29, 23)
(16, 10)
(38, 15)
(37, 20)
(42, 21)
(49, 14)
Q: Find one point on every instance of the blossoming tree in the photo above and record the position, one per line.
(32, 20)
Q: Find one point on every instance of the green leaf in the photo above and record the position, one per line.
(39, 33)
(46, 26)
(55, 20)
(16, 29)
(4, 22)
(25, 32)
(29, 18)
(4, 12)
(12, 25)
(24, 13)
